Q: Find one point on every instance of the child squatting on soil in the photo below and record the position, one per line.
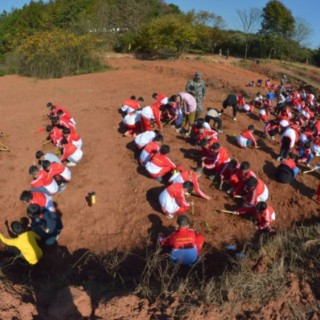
(185, 243)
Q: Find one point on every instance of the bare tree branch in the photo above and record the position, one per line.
(302, 31)
(249, 22)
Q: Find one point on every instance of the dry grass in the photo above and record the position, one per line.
(218, 279)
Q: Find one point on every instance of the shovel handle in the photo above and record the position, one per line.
(225, 211)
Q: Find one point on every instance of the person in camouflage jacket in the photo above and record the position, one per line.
(197, 88)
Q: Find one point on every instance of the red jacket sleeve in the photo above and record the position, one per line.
(66, 154)
(39, 181)
(196, 186)
(245, 210)
(248, 135)
(218, 159)
(156, 113)
(167, 242)
(169, 163)
(266, 130)
(180, 198)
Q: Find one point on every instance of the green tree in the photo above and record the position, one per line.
(23, 21)
(175, 32)
(174, 8)
(210, 30)
(277, 25)
(316, 57)
(67, 12)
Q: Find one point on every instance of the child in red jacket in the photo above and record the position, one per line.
(160, 164)
(219, 159)
(263, 114)
(151, 149)
(263, 214)
(229, 170)
(246, 138)
(185, 243)
(237, 181)
(173, 199)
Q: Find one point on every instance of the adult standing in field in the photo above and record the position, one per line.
(282, 83)
(197, 88)
(227, 53)
(188, 105)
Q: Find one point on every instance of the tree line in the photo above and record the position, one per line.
(84, 27)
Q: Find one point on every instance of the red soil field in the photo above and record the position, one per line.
(119, 220)
(126, 211)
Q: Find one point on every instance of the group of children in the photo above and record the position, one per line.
(51, 176)
(238, 179)
(259, 83)
(295, 119)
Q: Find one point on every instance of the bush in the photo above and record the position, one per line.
(54, 55)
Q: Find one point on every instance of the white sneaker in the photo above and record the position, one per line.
(170, 216)
(71, 164)
(234, 119)
(230, 191)
(181, 130)
(308, 165)
(279, 158)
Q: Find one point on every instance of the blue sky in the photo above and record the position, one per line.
(307, 9)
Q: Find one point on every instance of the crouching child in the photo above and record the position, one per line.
(185, 243)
